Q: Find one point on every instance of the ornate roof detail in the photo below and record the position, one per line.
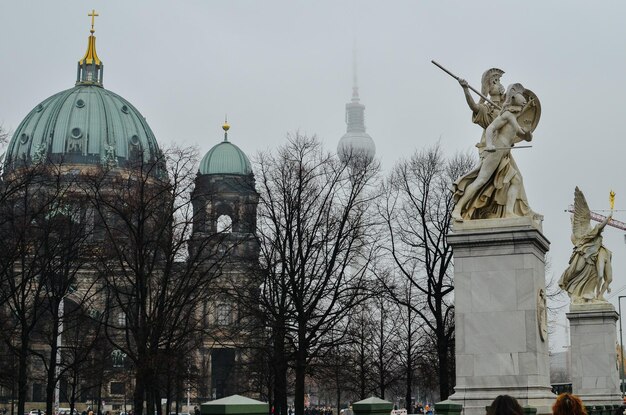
(90, 67)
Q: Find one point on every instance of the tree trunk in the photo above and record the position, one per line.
(52, 367)
(138, 394)
(149, 400)
(338, 384)
(280, 374)
(300, 378)
(22, 381)
(72, 396)
(442, 354)
(156, 392)
(362, 375)
(409, 373)
(280, 390)
(409, 387)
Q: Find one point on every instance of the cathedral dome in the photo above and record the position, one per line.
(225, 158)
(84, 125)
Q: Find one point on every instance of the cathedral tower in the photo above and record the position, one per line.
(225, 202)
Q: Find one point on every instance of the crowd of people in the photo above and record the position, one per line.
(315, 410)
(565, 404)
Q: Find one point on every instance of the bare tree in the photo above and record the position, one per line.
(386, 337)
(85, 352)
(410, 330)
(67, 250)
(40, 255)
(360, 350)
(314, 227)
(333, 372)
(416, 212)
(156, 286)
(557, 299)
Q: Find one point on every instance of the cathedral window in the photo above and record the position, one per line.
(224, 224)
(117, 388)
(118, 358)
(121, 319)
(223, 314)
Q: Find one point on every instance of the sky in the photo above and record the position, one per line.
(281, 66)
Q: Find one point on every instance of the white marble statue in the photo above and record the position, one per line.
(495, 188)
(589, 272)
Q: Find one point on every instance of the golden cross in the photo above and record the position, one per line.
(93, 15)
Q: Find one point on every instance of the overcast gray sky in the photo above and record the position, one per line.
(281, 66)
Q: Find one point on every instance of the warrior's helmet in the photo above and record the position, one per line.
(511, 91)
(488, 77)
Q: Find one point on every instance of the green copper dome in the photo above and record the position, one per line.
(225, 158)
(86, 124)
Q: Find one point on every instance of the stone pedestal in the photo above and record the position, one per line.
(501, 337)
(593, 340)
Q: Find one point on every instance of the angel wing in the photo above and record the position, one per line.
(581, 223)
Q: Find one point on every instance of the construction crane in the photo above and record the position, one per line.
(599, 218)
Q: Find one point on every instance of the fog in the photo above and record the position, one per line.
(281, 66)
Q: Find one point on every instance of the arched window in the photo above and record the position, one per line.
(224, 224)
(223, 314)
(118, 357)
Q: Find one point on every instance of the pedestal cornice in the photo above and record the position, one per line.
(497, 232)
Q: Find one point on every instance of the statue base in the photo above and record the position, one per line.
(501, 341)
(593, 339)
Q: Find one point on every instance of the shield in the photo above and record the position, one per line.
(529, 117)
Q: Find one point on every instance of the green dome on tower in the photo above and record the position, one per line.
(84, 125)
(225, 158)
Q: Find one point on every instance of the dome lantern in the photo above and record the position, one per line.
(90, 67)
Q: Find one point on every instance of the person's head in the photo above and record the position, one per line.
(505, 405)
(568, 404)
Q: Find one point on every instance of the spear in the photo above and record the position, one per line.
(468, 85)
(507, 148)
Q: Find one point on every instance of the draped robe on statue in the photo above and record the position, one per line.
(581, 279)
(490, 200)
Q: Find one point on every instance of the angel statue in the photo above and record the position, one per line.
(589, 272)
(495, 188)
